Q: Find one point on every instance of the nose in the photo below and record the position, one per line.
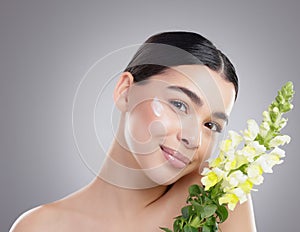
(191, 137)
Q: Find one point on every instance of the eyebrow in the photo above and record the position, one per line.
(194, 97)
(221, 115)
(197, 100)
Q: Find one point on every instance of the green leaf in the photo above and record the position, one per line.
(196, 222)
(222, 212)
(165, 229)
(211, 221)
(215, 191)
(194, 190)
(207, 200)
(189, 228)
(187, 211)
(197, 207)
(189, 199)
(206, 228)
(209, 210)
(177, 225)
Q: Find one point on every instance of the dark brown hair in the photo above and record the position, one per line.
(163, 50)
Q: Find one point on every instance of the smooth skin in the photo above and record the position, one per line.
(105, 206)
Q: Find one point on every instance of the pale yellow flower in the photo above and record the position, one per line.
(229, 198)
(226, 147)
(230, 165)
(246, 186)
(217, 161)
(211, 177)
(242, 196)
(240, 158)
(236, 178)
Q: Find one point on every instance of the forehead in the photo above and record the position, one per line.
(209, 85)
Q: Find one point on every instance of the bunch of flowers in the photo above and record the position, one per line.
(242, 160)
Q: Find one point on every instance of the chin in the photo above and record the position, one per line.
(164, 175)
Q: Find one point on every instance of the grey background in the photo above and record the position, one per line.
(46, 47)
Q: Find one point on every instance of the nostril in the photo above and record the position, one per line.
(185, 141)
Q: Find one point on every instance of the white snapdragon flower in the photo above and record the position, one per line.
(278, 152)
(254, 172)
(267, 161)
(212, 176)
(236, 138)
(283, 122)
(279, 140)
(230, 164)
(266, 116)
(275, 110)
(240, 194)
(251, 132)
(236, 178)
(217, 162)
(227, 148)
(252, 150)
(232, 197)
(264, 128)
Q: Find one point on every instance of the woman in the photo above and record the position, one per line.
(174, 97)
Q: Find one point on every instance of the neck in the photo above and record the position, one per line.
(121, 179)
(127, 200)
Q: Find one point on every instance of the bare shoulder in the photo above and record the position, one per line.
(176, 197)
(182, 185)
(241, 219)
(65, 214)
(41, 218)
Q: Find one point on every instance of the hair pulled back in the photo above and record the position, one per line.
(164, 50)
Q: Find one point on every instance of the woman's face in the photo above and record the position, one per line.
(173, 120)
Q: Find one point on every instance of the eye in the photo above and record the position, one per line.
(179, 105)
(213, 126)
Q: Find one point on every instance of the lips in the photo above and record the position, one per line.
(175, 158)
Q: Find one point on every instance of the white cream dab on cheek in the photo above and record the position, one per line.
(200, 139)
(156, 107)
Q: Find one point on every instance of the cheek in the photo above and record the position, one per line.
(151, 120)
(209, 145)
(137, 134)
(139, 121)
(148, 126)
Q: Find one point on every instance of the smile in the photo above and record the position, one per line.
(175, 158)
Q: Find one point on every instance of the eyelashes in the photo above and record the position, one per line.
(214, 126)
(180, 105)
(183, 107)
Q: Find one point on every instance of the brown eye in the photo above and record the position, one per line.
(213, 126)
(179, 105)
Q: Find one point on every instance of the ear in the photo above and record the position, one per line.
(121, 90)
